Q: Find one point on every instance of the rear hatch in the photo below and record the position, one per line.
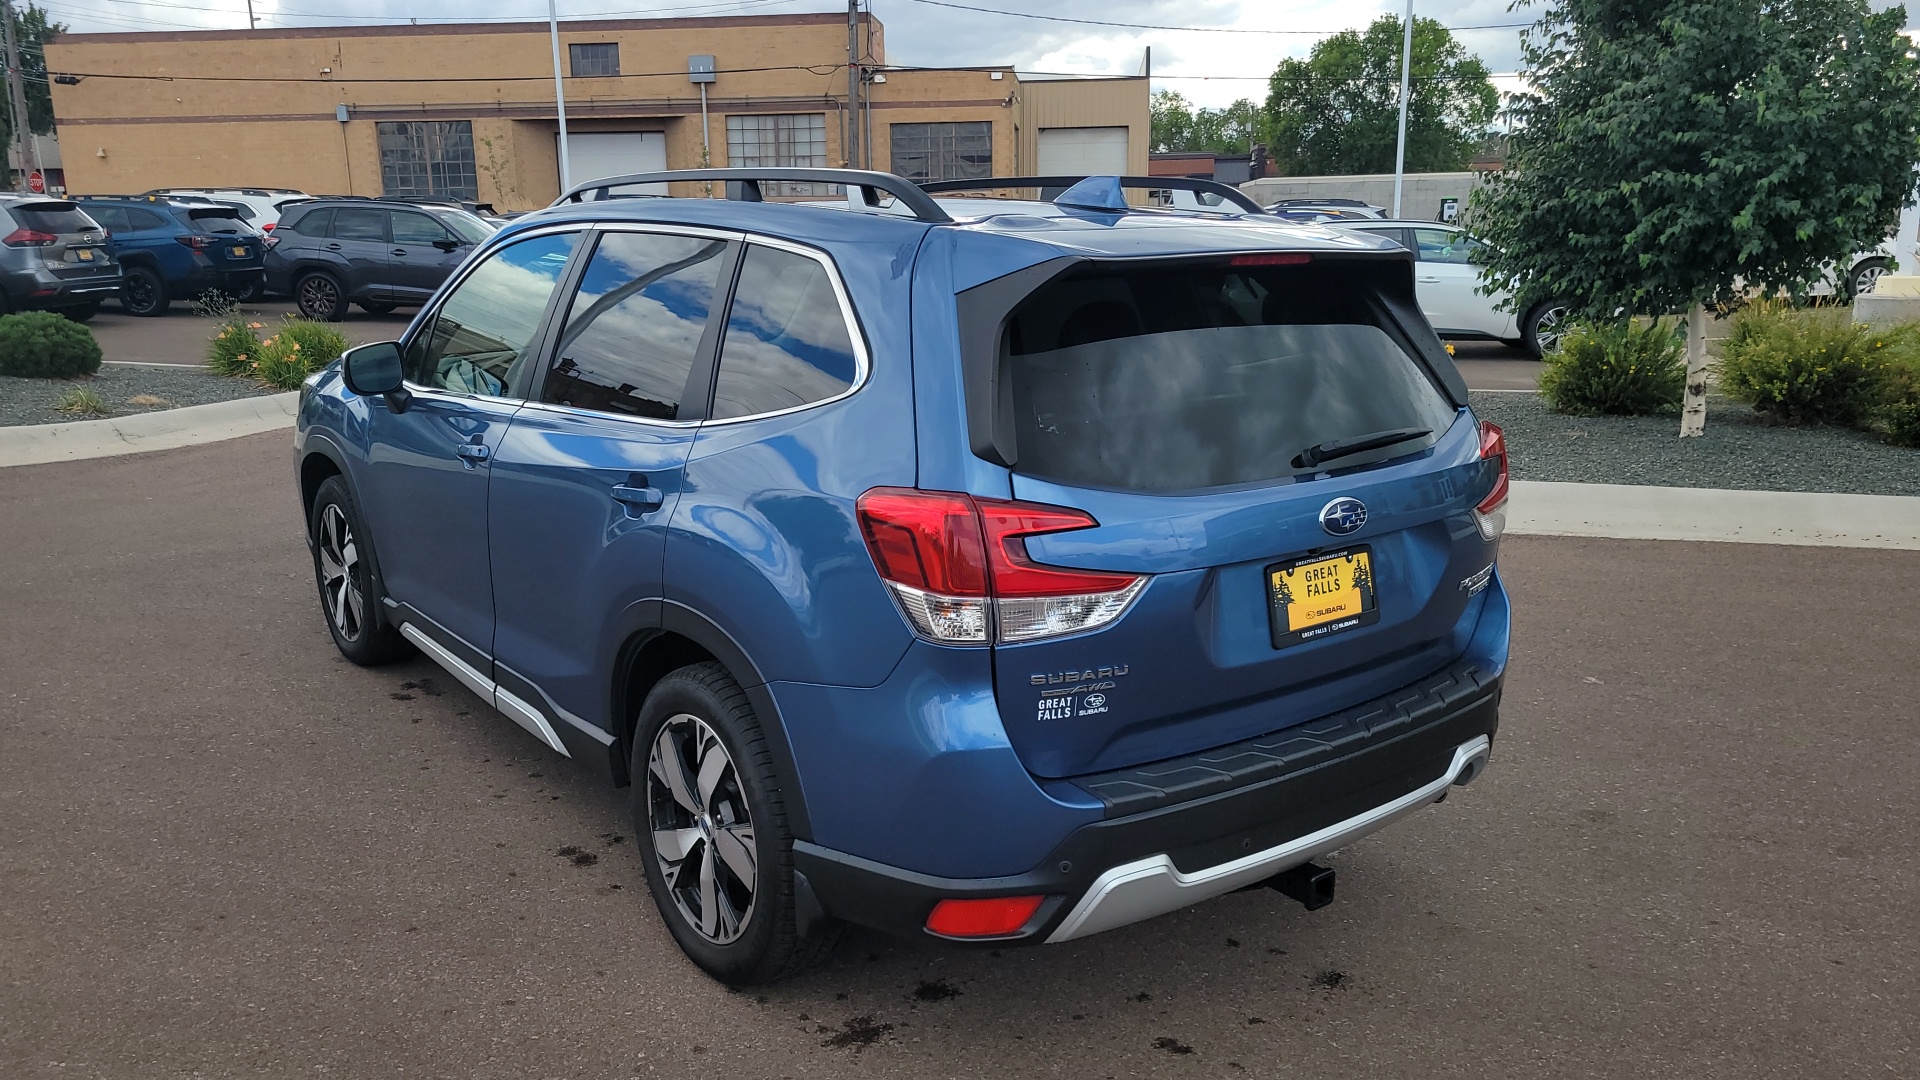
(223, 236)
(71, 244)
(1213, 416)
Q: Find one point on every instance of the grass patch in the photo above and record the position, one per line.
(82, 401)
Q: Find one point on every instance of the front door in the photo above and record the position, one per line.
(589, 474)
(467, 370)
(423, 255)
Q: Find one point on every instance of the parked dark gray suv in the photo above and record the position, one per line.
(53, 257)
(329, 253)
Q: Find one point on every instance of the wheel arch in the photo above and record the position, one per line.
(680, 636)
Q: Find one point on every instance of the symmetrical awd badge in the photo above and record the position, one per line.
(1343, 516)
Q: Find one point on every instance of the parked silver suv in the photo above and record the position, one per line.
(53, 257)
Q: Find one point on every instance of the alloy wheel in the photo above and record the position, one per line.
(1548, 328)
(1867, 278)
(702, 832)
(318, 296)
(141, 292)
(339, 573)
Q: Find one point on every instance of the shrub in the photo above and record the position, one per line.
(234, 349)
(1808, 367)
(1616, 369)
(46, 345)
(301, 348)
(320, 343)
(1899, 412)
(82, 401)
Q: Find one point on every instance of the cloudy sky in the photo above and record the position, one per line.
(1233, 46)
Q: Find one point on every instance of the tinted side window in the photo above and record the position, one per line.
(313, 223)
(143, 220)
(111, 218)
(353, 223)
(787, 342)
(479, 339)
(410, 228)
(635, 326)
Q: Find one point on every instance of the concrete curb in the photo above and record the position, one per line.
(43, 443)
(1632, 512)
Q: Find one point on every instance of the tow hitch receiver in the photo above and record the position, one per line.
(1311, 885)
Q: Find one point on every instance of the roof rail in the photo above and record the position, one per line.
(1149, 183)
(743, 185)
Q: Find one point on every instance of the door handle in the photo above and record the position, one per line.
(473, 453)
(1428, 280)
(398, 251)
(333, 247)
(639, 498)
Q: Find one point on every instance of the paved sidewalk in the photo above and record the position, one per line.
(39, 444)
(1639, 512)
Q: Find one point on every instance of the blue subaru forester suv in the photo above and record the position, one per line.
(984, 568)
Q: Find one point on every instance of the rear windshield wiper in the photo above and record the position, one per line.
(1339, 448)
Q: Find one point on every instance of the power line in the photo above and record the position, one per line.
(1184, 29)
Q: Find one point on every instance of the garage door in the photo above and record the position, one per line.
(595, 155)
(1089, 151)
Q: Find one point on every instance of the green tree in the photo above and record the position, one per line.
(1338, 111)
(34, 31)
(1673, 154)
(1180, 127)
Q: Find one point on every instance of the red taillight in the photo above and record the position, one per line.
(997, 917)
(1272, 258)
(29, 238)
(952, 560)
(195, 241)
(1491, 514)
(268, 227)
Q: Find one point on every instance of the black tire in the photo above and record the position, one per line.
(349, 587)
(144, 293)
(82, 313)
(320, 295)
(1864, 275)
(1541, 327)
(689, 715)
(254, 289)
(377, 307)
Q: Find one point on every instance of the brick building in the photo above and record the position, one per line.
(468, 109)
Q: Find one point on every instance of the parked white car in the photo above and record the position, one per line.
(260, 207)
(1447, 284)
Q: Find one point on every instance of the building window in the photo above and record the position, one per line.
(944, 151)
(792, 140)
(428, 157)
(597, 60)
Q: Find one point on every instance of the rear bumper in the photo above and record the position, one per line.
(1295, 795)
(39, 288)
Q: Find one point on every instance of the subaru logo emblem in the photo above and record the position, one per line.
(1343, 516)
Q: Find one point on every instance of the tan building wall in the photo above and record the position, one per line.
(261, 107)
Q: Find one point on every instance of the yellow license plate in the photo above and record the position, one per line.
(83, 254)
(1319, 595)
(239, 251)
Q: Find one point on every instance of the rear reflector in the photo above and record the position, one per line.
(997, 917)
(959, 568)
(1272, 258)
(1491, 514)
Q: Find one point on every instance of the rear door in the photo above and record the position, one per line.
(1187, 407)
(1449, 284)
(588, 476)
(231, 244)
(71, 244)
(359, 240)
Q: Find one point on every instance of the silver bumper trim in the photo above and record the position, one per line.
(1153, 886)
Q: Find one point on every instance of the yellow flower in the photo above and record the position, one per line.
(255, 325)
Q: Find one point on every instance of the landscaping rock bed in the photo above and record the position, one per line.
(1739, 450)
(36, 401)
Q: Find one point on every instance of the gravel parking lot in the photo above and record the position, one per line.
(228, 853)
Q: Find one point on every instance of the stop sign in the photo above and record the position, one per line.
(36, 183)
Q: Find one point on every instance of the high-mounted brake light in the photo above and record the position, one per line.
(1491, 514)
(996, 917)
(959, 568)
(1272, 258)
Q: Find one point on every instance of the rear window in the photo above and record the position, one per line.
(224, 220)
(1182, 377)
(51, 217)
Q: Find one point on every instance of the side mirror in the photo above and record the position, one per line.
(375, 371)
(448, 246)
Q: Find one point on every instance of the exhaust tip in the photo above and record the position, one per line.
(1311, 885)
(1470, 771)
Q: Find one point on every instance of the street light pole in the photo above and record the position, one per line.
(559, 98)
(1400, 148)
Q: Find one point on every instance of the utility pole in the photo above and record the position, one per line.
(559, 97)
(17, 101)
(1400, 148)
(853, 84)
(251, 25)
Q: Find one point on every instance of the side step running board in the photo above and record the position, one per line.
(516, 710)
